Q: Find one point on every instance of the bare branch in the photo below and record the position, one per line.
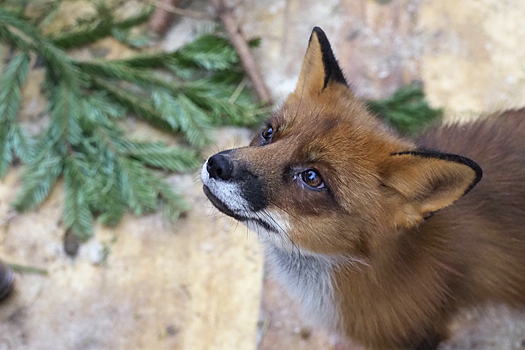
(239, 42)
(167, 7)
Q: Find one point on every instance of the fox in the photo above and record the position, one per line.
(381, 238)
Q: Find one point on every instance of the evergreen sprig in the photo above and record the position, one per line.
(102, 24)
(12, 137)
(104, 172)
(406, 110)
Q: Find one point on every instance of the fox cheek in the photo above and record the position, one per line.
(253, 189)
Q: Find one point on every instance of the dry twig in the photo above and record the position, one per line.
(27, 269)
(241, 46)
(170, 7)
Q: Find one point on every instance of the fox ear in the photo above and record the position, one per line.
(424, 182)
(320, 68)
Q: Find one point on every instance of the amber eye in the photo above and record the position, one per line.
(267, 134)
(312, 178)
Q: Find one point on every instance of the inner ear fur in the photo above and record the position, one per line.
(425, 182)
(320, 68)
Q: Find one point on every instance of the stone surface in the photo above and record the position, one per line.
(468, 53)
(474, 61)
(145, 284)
(378, 46)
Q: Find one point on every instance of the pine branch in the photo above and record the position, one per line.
(103, 191)
(218, 56)
(99, 109)
(127, 38)
(104, 27)
(139, 106)
(183, 115)
(215, 98)
(158, 155)
(65, 113)
(60, 64)
(6, 156)
(406, 110)
(105, 173)
(117, 70)
(209, 52)
(38, 178)
(22, 145)
(133, 180)
(148, 60)
(77, 213)
(13, 77)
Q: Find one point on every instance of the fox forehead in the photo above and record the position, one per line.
(332, 134)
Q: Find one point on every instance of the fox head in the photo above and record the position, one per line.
(326, 175)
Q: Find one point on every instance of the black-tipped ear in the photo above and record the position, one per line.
(332, 71)
(320, 68)
(426, 181)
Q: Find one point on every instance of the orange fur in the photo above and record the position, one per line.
(399, 275)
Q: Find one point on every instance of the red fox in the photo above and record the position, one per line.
(382, 239)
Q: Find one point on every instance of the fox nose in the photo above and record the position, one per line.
(220, 166)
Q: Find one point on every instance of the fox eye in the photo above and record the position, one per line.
(312, 178)
(267, 135)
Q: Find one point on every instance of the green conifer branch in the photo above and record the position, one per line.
(38, 178)
(209, 52)
(5, 149)
(104, 27)
(119, 71)
(406, 110)
(65, 112)
(139, 106)
(11, 137)
(148, 60)
(184, 115)
(105, 173)
(60, 64)
(158, 155)
(103, 192)
(77, 213)
(215, 98)
(133, 180)
(21, 144)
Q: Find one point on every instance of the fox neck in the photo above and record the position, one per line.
(313, 278)
(308, 278)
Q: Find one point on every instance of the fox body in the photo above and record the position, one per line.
(375, 234)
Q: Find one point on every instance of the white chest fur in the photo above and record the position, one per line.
(307, 278)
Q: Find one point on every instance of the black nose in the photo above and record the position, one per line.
(220, 166)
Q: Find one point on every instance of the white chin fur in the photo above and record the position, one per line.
(230, 194)
(227, 192)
